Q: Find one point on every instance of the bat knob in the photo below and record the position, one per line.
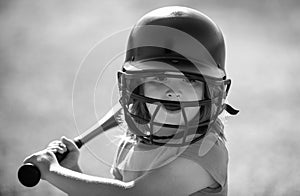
(29, 175)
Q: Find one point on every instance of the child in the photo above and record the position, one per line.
(173, 86)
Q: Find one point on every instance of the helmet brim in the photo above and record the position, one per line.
(173, 65)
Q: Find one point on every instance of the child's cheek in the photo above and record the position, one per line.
(191, 112)
(153, 91)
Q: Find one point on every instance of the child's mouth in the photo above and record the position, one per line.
(172, 108)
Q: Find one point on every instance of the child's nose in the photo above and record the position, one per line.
(173, 95)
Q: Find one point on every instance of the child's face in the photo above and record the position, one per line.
(173, 89)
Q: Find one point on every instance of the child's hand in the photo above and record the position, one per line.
(43, 160)
(61, 146)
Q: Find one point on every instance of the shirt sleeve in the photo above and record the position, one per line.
(215, 161)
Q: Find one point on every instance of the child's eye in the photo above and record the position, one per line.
(188, 80)
(160, 78)
(191, 81)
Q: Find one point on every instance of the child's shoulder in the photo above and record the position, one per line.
(191, 174)
(213, 159)
(180, 177)
(209, 148)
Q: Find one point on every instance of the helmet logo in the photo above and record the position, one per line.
(177, 13)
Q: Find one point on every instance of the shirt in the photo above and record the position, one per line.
(215, 162)
(131, 162)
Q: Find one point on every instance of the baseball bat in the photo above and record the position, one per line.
(29, 174)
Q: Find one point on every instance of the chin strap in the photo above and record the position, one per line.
(230, 109)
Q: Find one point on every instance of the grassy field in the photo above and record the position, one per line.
(43, 42)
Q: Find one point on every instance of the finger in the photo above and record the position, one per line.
(57, 145)
(33, 158)
(55, 142)
(57, 149)
(29, 159)
(69, 143)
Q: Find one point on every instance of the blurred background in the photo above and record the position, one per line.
(42, 44)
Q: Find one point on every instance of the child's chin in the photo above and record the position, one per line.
(172, 117)
(176, 117)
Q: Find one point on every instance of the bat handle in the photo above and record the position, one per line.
(29, 175)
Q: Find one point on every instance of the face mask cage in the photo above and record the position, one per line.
(141, 123)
